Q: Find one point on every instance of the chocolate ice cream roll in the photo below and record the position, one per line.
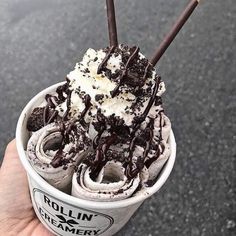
(111, 184)
(54, 151)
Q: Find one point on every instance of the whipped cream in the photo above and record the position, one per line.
(84, 79)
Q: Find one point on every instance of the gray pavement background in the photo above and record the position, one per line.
(40, 42)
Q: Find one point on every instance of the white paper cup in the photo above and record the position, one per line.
(63, 214)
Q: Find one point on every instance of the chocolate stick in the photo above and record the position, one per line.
(174, 31)
(111, 18)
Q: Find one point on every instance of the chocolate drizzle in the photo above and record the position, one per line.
(62, 89)
(105, 60)
(50, 114)
(57, 160)
(152, 99)
(132, 168)
(45, 115)
(112, 129)
(53, 116)
(160, 114)
(52, 101)
(100, 126)
(100, 157)
(130, 171)
(149, 137)
(97, 137)
(134, 66)
(87, 103)
(68, 106)
(160, 146)
(130, 77)
(146, 73)
(125, 71)
(139, 120)
(66, 130)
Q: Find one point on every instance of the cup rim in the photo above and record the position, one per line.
(74, 200)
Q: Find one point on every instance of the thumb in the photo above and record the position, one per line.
(11, 166)
(13, 177)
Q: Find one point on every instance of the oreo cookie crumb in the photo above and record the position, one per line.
(99, 97)
(35, 121)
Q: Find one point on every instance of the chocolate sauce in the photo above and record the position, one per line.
(57, 160)
(67, 131)
(100, 157)
(53, 116)
(130, 162)
(114, 92)
(145, 73)
(98, 137)
(150, 138)
(49, 98)
(100, 127)
(152, 99)
(130, 171)
(133, 80)
(125, 71)
(88, 104)
(132, 56)
(45, 114)
(68, 106)
(105, 60)
(130, 75)
(160, 114)
(62, 89)
(131, 149)
(151, 160)
(109, 141)
(140, 119)
(99, 97)
(49, 113)
(158, 153)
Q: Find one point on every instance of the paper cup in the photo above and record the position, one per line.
(63, 214)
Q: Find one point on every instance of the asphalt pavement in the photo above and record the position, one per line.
(40, 42)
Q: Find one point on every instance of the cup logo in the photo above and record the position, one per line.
(67, 219)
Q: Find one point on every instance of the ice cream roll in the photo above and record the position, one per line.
(111, 183)
(54, 151)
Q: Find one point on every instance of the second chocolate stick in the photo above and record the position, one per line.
(174, 31)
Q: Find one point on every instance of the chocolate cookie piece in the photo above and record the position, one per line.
(36, 119)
